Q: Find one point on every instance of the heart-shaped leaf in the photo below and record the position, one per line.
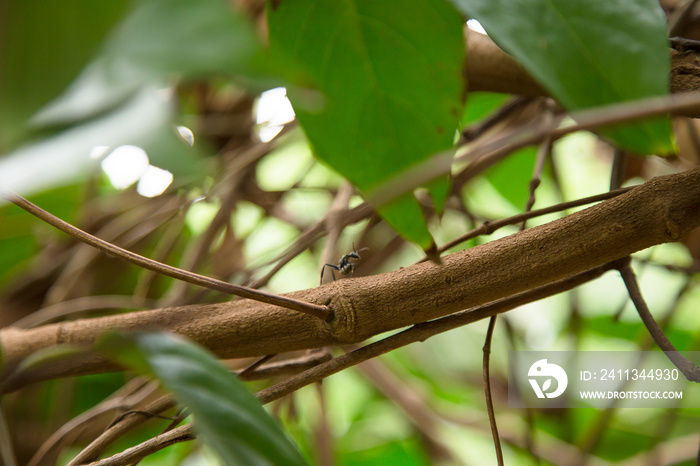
(589, 54)
(390, 78)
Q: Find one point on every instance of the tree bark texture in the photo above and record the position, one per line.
(662, 210)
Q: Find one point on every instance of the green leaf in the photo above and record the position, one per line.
(144, 120)
(41, 55)
(118, 97)
(158, 40)
(589, 54)
(482, 104)
(390, 79)
(229, 418)
(511, 177)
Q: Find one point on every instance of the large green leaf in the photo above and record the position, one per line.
(118, 98)
(391, 82)
(229, 418)
(159, 40)
(43, 47)
(588, 54)
(144, 120)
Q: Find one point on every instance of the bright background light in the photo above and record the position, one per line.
(186, 134)
(475, 26)
(129, 164)
(154, 181)
(125, 165)
(273, 111)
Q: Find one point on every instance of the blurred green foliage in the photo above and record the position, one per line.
(77, 74)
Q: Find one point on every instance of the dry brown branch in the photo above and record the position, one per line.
(157, 443)
(419, 332)
(661, 210)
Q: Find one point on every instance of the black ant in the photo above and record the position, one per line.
(345, 266)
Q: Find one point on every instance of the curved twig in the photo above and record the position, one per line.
(489, 227)
(690, 370)
(321, 312)
(486, 376)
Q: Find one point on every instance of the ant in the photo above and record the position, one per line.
(345, 266)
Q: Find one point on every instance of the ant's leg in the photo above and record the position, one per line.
(324, 268)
